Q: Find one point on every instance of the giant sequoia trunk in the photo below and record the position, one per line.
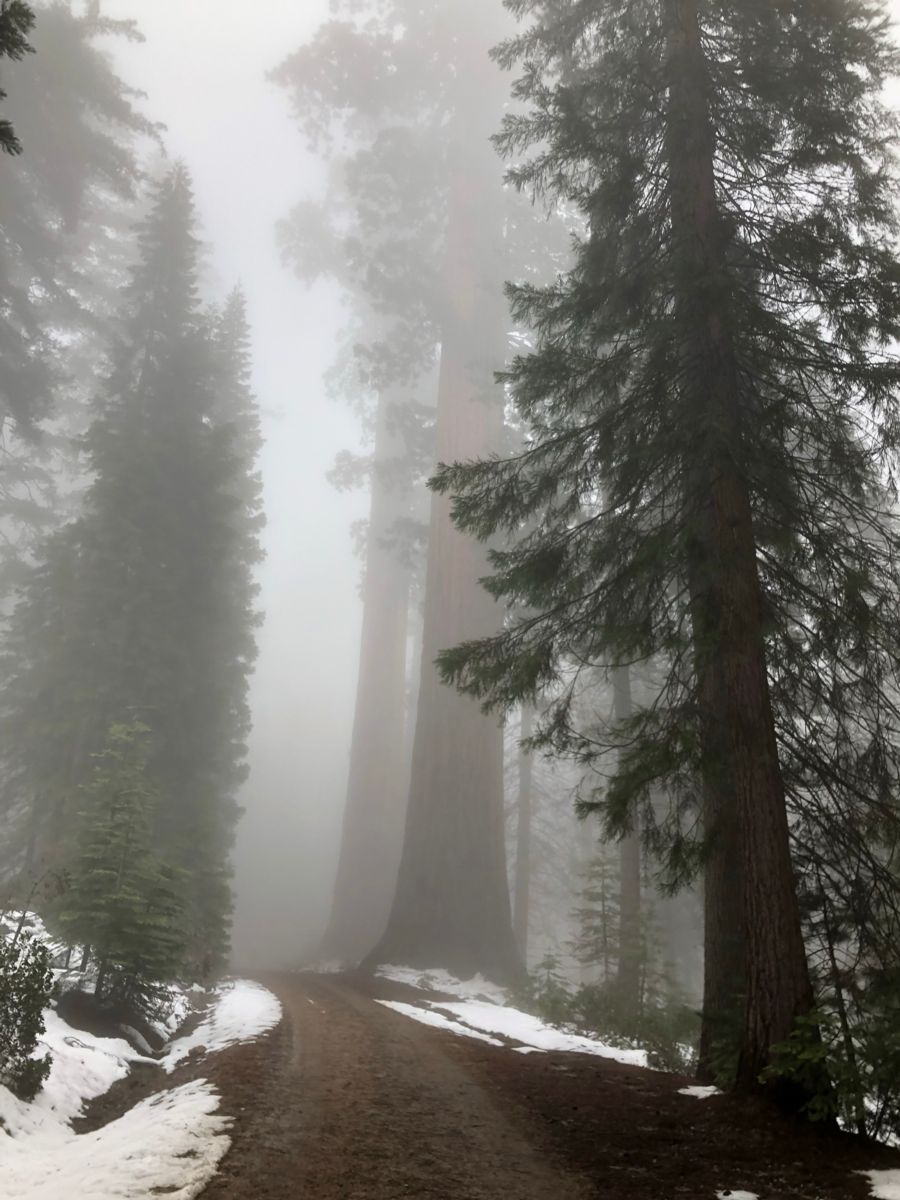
(742, 772)
(452, 904)
(376, 791)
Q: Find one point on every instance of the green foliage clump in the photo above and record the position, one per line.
(16, 22)
(122, 900)
(26, 982)
(666, 1028)
(546, 992)
(861, 1060)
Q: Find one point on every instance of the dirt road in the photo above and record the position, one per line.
(367, 1103)
(350, 1100)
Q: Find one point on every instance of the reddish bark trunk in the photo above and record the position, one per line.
(741, 758)
(452, 904)
(376, 790)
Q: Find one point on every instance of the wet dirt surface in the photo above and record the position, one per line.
(368, 1104)
(349, 1099)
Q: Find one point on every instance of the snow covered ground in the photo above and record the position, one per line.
(482, 1012)
(427, 1017)
(885, 1184)
(438, 980)
(244, 1010)
(170, 1143)
(699, 1092)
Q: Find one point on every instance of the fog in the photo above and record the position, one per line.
(203, 66)
(449, 561)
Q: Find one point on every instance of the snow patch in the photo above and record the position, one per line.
(428, 1017)
(170, 1143)
(885, 1184)
(480, 1019)
(327, 966)
(439, 980)
(730, 1195)
(84, 1067)
(244, 1010)
(534, 1033)
(703, 1093)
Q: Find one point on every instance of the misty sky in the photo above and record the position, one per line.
(203, 67)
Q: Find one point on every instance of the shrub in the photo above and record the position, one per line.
(26, 982)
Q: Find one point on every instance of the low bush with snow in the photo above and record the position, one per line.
(26, 982)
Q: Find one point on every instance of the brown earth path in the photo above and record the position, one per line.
(347, 1099)
(367, 1103)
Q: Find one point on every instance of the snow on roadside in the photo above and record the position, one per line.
(480, 1018)
(699, 1092)
(170, 1143)
(84, 1067)
(439, 980)
(244, 1010)
(533, 1033)
(437, 1020)
(885, 1184)
(730, 1195)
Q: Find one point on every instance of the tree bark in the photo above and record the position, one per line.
(628, 972)
(742, 774)
(522, 878)
(452, 904)
(377, 786)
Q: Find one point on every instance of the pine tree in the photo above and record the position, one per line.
(66, 204)
(143, 609)
(711, 416)
(121, 900)
(16, 23)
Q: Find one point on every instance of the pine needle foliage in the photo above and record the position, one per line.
(25, 985)
(66, 205)
(16, 23)
(122, 900)
(604, 505)
(144, 609)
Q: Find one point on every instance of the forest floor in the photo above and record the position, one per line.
(348, 1099)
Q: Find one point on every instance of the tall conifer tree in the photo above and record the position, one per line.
(66, 206)
(712, 419)
(143, 609)
(426, 247)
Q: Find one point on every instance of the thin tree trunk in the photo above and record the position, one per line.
(522, 878)
(452, 904)
(628, 974)
(584, 849)
(737, 725)
(377, 785)
(724, 940)
(856, 1088)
